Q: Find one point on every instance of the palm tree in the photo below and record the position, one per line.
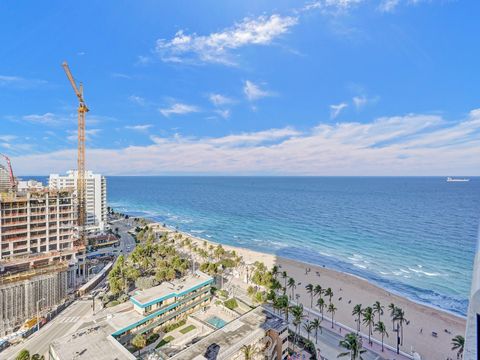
(23, 355)
(309, 289)
(353, 344)
(275, 271)
(308, 327)
(331, 309)
(298, 316)
(369, 320)
(392, 308)
(458, 342)
(382, 330)
(357, 311)
(329, 293)
(378, 309)
(249, 352)
(316, 325)
(285, 276)
(400, 317)
(321, 305)
(139, 341)
(318, 290)
(291, 284)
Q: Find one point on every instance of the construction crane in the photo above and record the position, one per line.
(81, 186)
(13, 183)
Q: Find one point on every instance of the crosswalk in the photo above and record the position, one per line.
(68, 319)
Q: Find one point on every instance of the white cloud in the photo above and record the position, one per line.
(217, 47)
(223, 113)
(120, 76)
(46, 119)
(179, 109)
(254, 92)
(19, 82)
(335, 110)
(388, 5)
(141, 128)
(362, 100)
(137, 100)
(359, 101)
(143, 60)
(7, 138)
(413, 144)
(219, 99)
(392, 5)
(89, 133)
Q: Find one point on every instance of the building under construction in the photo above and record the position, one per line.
(24, 294)
(40, 254)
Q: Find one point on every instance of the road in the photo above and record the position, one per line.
(65, 323)
(73, 317)
(127, 242)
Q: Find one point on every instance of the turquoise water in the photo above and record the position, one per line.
(217, 322)
(412, 235)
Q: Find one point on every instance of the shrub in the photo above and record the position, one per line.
(145, 282)
(139, 341)
(165, 341)
(123, 298)
(152, 338)
(187, 329)
(231, 303)
(113, 303)
(174, 326)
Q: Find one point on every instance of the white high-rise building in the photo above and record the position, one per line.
(96, 196)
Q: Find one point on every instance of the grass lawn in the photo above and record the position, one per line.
(187, 329)
(165, 341)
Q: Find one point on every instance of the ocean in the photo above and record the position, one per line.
(415, 236)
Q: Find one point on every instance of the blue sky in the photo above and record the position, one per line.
(329, 87)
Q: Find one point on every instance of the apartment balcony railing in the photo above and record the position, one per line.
(14, 231)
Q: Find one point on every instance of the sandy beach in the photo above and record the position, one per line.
(350, 290)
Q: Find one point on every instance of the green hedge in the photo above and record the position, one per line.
(152, 338)
(165, 341)
(231, 303)
(174, 326)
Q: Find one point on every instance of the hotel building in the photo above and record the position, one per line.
(95, 192)
(161, 305)
(147, 310)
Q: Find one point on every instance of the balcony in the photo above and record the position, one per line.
(14, 215)
(15, 231)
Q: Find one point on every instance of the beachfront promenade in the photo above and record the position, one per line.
(328, 338)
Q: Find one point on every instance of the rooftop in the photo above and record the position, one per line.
(225, 342)
(168, 289)
(93, 342)
(124, 316)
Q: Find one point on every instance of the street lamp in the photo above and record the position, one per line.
(88, 272)
(38, 316)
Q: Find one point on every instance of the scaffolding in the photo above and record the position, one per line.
(22, 293)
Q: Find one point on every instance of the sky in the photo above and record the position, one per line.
(251, 87)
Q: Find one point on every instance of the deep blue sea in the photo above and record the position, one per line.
(413, 235)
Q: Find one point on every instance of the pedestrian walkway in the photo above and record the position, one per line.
(69, 319)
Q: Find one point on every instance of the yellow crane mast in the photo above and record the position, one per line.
(81, 186)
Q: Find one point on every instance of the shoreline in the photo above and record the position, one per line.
(358, 277)
(374, 283)
(424, 320)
